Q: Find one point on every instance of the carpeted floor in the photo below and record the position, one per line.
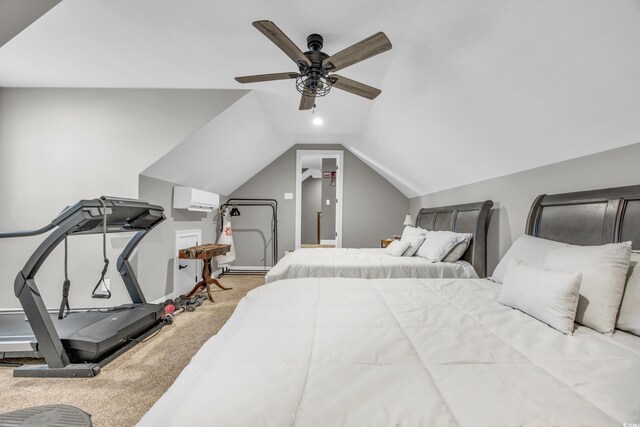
(130, 385)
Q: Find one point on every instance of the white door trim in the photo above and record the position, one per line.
(329, 154)
(176, 260)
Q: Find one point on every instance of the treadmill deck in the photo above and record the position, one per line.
(85, 334)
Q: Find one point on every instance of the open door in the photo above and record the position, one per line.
(319, 198)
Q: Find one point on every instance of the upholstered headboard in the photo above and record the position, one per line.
(468, 218)
(593, 217)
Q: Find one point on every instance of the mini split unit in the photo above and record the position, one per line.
(195, 200)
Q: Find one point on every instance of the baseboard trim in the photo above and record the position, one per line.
(164, 298)
(249, 268)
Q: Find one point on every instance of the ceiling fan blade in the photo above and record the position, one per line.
(360, 51)
(354, 87)
(280, 39)
(266, 77)
(306, 102)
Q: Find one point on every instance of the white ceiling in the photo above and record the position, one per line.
(201, 44)
(471, 89)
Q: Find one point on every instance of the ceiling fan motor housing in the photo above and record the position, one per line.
(312, 80)
(315, 42)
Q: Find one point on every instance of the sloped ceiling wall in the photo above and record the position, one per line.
(471, 90)
(483, 89)
(224, 153)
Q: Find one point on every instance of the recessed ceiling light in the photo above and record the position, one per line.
(317, 121)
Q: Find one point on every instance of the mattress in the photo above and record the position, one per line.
(363, 263)
(400, 352)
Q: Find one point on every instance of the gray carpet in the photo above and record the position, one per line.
(129, 386)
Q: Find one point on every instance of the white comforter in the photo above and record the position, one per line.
(363, 263)
(353, 352)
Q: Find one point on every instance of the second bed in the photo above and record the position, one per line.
(372, 263)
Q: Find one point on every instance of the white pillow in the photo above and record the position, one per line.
(397, 248)
(549, 296)
(410, 232)
(629, 315)
(531, 250)
(458, 250)
(438, 244)
(604, 272)
(414, 245)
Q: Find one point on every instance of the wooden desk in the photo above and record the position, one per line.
(205, 253)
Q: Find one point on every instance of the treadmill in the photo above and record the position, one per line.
(83, 342)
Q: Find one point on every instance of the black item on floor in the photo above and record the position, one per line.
(46, 416)
(180, 305)
(189, 304)
(82, 342)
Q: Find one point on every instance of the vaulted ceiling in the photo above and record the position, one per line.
(471, 89)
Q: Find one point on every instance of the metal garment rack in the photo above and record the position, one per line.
(273, 204)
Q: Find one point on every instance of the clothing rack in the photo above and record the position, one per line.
(273, 204)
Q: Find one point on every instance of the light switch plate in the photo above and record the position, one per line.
(328, 202)
(288, 196)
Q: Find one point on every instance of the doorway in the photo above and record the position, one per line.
(319, 183)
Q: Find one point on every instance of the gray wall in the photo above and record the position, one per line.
(328, 219)
(156, 253)
(311, 195)
(61, 145)
(513, 194)
(373, 208)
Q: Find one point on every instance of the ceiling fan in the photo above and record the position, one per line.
(313, 78)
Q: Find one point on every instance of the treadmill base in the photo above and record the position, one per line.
(74, 370)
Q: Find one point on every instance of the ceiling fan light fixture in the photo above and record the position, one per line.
(313, 84)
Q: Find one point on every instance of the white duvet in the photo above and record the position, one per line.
(408, 352)
(363, 263)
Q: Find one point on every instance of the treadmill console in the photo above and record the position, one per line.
(122, 215)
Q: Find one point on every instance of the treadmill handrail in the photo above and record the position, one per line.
(27, 233)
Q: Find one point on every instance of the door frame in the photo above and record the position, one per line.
(176, 260)
(326, 154)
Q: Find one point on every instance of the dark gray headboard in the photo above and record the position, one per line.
(593, 217)
(468, 218)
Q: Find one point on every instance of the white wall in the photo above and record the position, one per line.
(61, 145)
(513, 194)
(157, 252)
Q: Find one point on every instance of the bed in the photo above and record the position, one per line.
(376, 264)
(416, 352)
(367, 263)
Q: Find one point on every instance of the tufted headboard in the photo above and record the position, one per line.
(593, 217)
(468, 218)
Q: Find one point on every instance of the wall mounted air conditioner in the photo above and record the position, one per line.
(195, 200)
